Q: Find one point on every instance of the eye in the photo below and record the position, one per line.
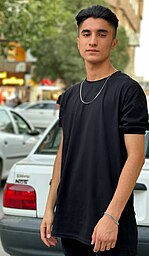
(102, 34)
(86, 34)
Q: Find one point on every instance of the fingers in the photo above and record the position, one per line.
(107, 247)
(93, 238)
(52, 241)
(48, 231)
(43, 234)
(113, 245)
(97, 246)
(46, 237)
(104, 235)
(102, 246)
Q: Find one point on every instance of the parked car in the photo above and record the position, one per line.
(25, 196)
(22, 105)
(17, 138)
(40, 113)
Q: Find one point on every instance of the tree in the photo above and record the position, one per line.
(48, 28)
(63, 58)
(119, 56)
(29, 21)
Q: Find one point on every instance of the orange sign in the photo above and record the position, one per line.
(16, 52)
(20, 54)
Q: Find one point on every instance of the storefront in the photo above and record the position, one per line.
(11, 85)
(50, 90)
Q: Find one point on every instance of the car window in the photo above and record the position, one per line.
(5, 122)
(43, 105)
(51, 142)
(22, 105)
(22, 126)
(49, 106)
(36, 106)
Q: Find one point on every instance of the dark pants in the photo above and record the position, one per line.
(73, 247)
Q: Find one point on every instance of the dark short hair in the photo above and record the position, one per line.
(97, 11)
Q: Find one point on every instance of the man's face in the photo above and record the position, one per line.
(95, 40)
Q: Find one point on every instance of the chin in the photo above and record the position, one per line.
(92, 61)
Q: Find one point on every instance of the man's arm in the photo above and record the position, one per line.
(47, 222)
(105, 232)
(135, 150)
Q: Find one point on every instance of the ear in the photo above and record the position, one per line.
(114, 43)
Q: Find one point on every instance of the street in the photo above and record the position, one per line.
(2, 253)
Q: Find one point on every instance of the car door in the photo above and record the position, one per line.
(11, 145)
(33, 113)
(24, 134)
(41, 114)
(47, 114)
(141, 191)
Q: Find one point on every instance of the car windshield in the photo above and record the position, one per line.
(51, 142)
(5, 122)
(23, 127)
(43, 105)
(22, 105)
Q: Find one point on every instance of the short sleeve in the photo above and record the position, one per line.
(59, 102)
(134, 114)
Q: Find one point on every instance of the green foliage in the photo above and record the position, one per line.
(30, 21)
(119, 56)
(49, 29)
(63, 58)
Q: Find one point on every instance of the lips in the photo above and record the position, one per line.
(92, 50)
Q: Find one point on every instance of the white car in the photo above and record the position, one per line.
(22, 106)
(25, 196)
(41, 113)
(17, 138)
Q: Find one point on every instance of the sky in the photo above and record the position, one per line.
(142, 52)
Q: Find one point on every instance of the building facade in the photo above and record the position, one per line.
(130, 14)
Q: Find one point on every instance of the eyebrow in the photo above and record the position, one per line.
(99, 30)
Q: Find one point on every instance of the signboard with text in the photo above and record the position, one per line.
(12, 79)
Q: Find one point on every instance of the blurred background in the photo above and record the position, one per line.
(39, 60)
(38, 46)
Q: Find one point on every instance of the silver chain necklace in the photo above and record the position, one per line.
(88, 102)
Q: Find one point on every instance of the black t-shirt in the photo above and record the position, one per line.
(94, 154)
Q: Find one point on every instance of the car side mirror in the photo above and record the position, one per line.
(34, 132)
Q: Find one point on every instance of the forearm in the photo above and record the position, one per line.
(52, 197)
(130, 172)
(125, 185)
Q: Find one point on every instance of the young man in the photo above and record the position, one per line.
(103, 119)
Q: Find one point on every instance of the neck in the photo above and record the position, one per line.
(97, 72)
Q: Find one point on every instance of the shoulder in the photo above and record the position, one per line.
(127, 84)
(70, 91)
(127, 81)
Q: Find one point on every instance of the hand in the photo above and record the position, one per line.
(104, 235)
(45, 229)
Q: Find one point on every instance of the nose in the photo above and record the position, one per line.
(93, 41)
